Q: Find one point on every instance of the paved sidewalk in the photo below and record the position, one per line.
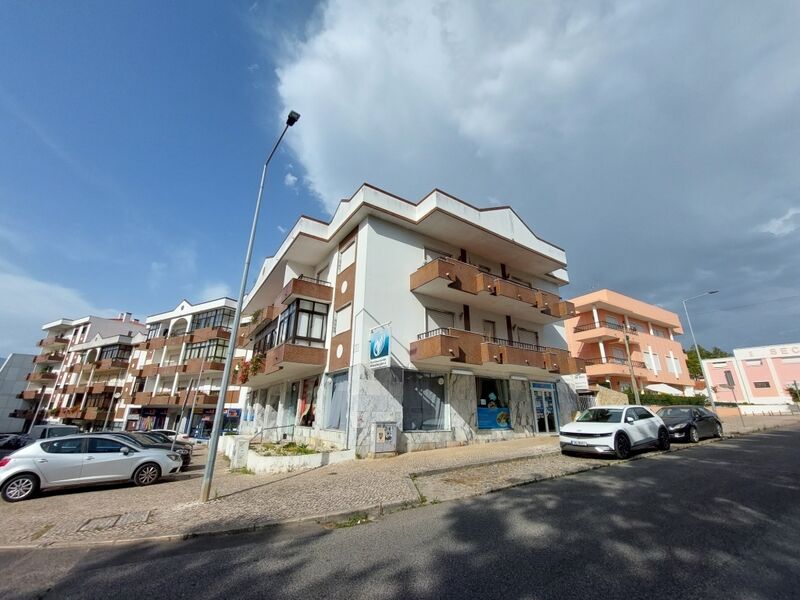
(124, 512)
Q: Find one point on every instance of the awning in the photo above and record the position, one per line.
(663, 388)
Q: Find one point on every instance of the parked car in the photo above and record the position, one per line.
(614, 430)
(160, 438)
(690, 423)
(80, 460)
(137, 438)
(14, 443)
(39, 432)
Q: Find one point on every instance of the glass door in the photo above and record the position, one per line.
(545, 407)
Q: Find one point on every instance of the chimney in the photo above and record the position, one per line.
(126, 317)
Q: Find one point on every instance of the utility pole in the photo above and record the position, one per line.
(630, 366)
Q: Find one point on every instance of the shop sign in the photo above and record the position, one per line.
(498, 417)
(380, 346)
(579, 382)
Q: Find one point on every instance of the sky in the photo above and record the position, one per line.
(657, 142)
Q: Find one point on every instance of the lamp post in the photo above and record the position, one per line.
(226, 373)
(694, 341)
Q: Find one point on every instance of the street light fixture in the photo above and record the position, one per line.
(694, 341)
(208, 475)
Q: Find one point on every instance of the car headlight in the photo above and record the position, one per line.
(678, 426)
(173, 457)
(182, 451)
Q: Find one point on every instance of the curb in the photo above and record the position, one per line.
(382, 509)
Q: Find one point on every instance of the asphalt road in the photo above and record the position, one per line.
(716, 521)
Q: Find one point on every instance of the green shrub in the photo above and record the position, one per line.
(665, 399)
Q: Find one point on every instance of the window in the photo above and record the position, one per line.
(212, 350)
(71, 446)
(341, 321)
(423, 401)
(761, 384)
(336, 415)
(493, 411)
(489, 329)
(311, 317)
(104, 446)
(347, 257)
(656, 363)
(612, 320)
(658, 332)
(526, 336)
(303, 322)
(642, 413)
(156, 330)
(115, 352)
(438, 319)
(753, 363)
(219, 317)
(59, 431)
(601, 415)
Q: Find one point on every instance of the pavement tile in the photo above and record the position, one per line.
(100, 523)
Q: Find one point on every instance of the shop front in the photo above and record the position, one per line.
(493, 407)
(152, 418)
(545, 407)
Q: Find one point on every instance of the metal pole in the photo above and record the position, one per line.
(699, 360)
(737, 405)
(183, 408)
(208, 474)
(38, 406)
(114, 393)
(630, 367)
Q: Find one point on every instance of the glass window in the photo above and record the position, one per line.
(71, 446)
(59, 431)
(761, 384)
(493, 411)
(438, 319)
(642, 413)
(601, 415)
(347, 257)
(116, 352)
(423, 401)
(214, 350)
(336, 415)
(219, 317)
(102, 445)
(341, 321)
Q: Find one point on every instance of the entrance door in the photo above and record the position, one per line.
(545, 407)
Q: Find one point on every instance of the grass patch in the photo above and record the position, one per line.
(290, 449)
(243, 471)
(358, 519)
(40, 532)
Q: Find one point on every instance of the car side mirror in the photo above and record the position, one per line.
(629, 419)
(125, 450)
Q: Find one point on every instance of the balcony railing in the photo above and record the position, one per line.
(616, 360)
(49, 357)
(41, 376)
(607, 325)
(53, 340)
(306, 287)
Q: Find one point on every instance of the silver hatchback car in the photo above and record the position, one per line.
(81, 460)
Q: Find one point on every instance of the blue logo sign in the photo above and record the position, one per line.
(379, 347)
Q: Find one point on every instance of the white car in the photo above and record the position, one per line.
(614, 430)
(80, 460)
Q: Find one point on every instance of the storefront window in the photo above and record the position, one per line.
(336, 413)
(493, 410)
(423, 401)
(308, 401)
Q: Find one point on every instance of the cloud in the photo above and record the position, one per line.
(289, 180)
(253, 68)
(632, 134)
(27, 303)
(282, 229)
(781, 226)
(212, 291)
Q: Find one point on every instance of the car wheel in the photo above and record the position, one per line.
(622, 446)
(718, 430)
(20, 487)
(663, 439)
(146, 474)
(693, 436)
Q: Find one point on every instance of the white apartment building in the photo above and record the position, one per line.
(79, 368)
(176, 370)
(466, 300)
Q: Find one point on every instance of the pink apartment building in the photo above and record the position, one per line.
(757, 375)
(597, 333)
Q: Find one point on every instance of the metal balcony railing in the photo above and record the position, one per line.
(614, 326)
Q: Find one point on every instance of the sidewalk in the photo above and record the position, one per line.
(124, 512)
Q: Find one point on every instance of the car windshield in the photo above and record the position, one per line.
(144, 438)
(601, 415)
(159, 437)
(672, 411)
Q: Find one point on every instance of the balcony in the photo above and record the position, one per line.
(31, 395)
(210, 333)
(96, 413)
(259, 319)
(449, 346)
(287, 361)
(603, 332)
(74, 412)
(178, 340)
(111, 364)
(49, 357)
(43, 376)
(169, 370)
(149, 370)
(615, 366)
(101, 388)
(153, 343)
(463, 283)
(53, 340)
(196, 365)
(306, 288)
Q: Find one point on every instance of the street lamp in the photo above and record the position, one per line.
(291, 119)
(694, 341)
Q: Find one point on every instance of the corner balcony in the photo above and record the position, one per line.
(287, 361)
(195, 366)
(463, 283)
(615, 366)
(31, 395)
(307, 288)
(49, 357)
(42, 376)
(149, 370)
(210, 333)
(603, 332)
(53, 340)
(448, 347)
(259, 319)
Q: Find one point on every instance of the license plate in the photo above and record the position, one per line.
(579, 443)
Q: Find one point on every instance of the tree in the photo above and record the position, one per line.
(691, 358)
(794, 393)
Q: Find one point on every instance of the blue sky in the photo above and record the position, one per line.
(658, 151)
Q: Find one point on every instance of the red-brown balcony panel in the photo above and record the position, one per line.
(96, 413)
(170, 370)
(614, 365)
(260, 319)
(41, 376)
(101, 388)
(149, 370)
(196, 365)
(286, 360)
(602, 332)
(111, 364)
(306, 288)
(74, 412)
(53, 340)
(154, 343)
(446, 277)
(210, 333)
(509, 289)
(49, 357)
(76, 368)
(446, 346)
(177, 340)
(198, 398)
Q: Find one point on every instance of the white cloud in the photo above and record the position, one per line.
(27, 303)
(289, 180)
(282, 229)
(781, 226)
(212, 291)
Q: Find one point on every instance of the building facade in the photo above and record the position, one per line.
(176, 370)
(461, 304)
(597, 335)
(79, 368)
(15, 412)
(759, 375)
